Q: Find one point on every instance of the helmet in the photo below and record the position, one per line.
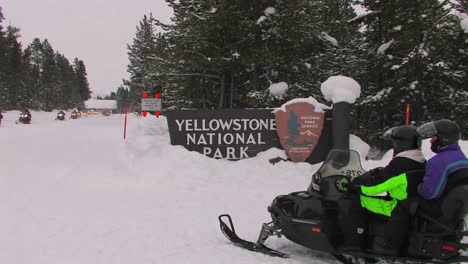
(403, 138)
(446, 131)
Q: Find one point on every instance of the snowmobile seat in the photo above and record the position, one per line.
(440, 222)
(452, 205)
(455, 205)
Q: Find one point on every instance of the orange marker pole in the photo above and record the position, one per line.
(408, 110)
(125, 125)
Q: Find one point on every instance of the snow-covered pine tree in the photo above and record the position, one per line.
(66, 76)
(81, 79)
(14, 68)
(141, 55)
(49, 81)
(211, 43)
(34, 58)
(4, 92)
(122, 98)
(406, 62)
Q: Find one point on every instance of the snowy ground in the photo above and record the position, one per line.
(74, 192)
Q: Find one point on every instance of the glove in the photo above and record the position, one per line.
(342, 184)
(352, 188)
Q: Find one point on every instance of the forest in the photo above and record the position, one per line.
(38, 77)
(217, 54)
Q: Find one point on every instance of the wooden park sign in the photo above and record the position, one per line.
(224, 134)
(299, 129)
(242, 133)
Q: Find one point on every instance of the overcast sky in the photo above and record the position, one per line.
(95, 31)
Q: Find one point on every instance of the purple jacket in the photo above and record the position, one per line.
(447, 160)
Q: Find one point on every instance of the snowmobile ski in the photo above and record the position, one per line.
(230, 233)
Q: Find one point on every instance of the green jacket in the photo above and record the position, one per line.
(381, 190)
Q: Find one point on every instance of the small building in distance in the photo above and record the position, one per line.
(101, 106)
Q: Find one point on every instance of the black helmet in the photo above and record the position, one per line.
(403, 138)
(446, 131)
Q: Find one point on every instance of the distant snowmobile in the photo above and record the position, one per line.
(74, 115)
(315, 219)
(25, 117)
(60, 116)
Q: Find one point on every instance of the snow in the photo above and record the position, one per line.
(278, 89)
(464, 23)
(384, 47)
(101, 104)
(270, 11)
(75, 192)
(261, 19)
(329, 38)
(341, 89)
(318, 107)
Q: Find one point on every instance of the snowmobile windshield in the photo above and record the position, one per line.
(427, 130)
(339, 162)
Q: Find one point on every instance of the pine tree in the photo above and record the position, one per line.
(122, 97)
(4, 93)
(408, 62)
(14, 68)
(67, 93)
(81, 79)
(49, 80)
(34, 59)
(142, 56)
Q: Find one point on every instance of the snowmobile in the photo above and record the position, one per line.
(315, 219)
(74, 115)
(25, 118)
(60, 116)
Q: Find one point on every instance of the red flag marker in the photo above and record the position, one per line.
(157, 113)
(144, 113)
(158, 95)
(145, 95)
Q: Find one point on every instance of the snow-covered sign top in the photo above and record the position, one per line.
(341, 89)
(310, 100)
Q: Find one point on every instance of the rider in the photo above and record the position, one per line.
(26, 112)
(62, 113)
(449, 158)
(381, 189)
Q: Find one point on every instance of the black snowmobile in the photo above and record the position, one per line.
(25, 118)
(315, 219)
(60, 116)
(74, 115)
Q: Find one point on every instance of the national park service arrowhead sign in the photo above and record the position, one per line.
(299, 129)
